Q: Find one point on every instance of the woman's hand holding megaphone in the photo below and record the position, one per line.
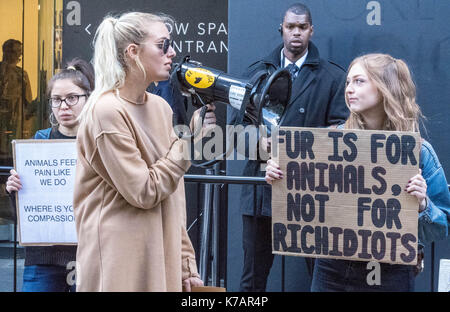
(209, 119)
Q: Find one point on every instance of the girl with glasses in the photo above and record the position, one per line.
(46, 267)
(129, 200)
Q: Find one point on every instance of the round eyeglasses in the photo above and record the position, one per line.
(164, 46)
(71, 100)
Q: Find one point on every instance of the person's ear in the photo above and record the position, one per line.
(132, 51)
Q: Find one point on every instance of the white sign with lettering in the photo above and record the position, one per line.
(44, 204)
(444, 276)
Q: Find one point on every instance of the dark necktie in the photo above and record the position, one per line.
(293, 69)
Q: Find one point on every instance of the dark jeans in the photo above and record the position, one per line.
(342, 275)
(258, 257)
(46, 278)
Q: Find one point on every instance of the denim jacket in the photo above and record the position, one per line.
(434, 221)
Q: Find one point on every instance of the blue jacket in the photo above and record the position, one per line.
(434, 221)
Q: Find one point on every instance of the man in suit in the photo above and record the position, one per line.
(317, 100)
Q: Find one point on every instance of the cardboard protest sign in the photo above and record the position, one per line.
(44, 204)
(342, 195)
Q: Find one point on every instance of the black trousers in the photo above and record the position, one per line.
(258, 257)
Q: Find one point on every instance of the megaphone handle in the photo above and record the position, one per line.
(198, 127)
(203, 114)
(204, 107)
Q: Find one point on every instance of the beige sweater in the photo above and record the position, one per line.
(129, 200)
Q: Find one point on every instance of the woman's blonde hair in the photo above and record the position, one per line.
(112, 37)
(397, 91)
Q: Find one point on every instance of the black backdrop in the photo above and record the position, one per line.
(200, 30)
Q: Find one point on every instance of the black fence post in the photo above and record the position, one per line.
(15, 255)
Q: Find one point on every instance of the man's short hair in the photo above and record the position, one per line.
(9, 44)
(299, 9)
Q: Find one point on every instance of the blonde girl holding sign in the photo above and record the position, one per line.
(46, 267)
(381, 95)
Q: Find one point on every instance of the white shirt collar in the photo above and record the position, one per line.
(286, 62)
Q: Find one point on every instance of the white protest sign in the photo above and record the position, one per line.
(444, 276)
(44, 204)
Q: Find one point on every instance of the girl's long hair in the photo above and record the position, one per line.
(397, 90)
(111, 39)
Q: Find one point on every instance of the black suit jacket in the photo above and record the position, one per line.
(317, 100)
(171, 93)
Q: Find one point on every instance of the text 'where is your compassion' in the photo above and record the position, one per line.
(342, 195)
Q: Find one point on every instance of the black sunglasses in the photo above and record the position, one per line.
(164, 46)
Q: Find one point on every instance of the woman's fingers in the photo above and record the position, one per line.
(190, 282)
(210, 117)
(417, 186)
(417, 177)
(211, 107)
(186, 286)
(273, 172)
(276, 173)
(272, 163)
(417, 183)
(13, 183)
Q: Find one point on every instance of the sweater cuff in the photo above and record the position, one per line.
(189, 268)
(425, 215)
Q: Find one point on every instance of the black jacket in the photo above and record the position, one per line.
(317, 100)
(171, 93)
